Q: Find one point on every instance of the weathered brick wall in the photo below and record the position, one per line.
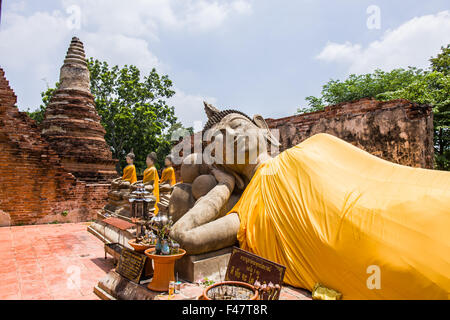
(398, 131)
(34, 186)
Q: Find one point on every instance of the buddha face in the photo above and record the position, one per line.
(149, 162)
(237, 141)
(129, 160)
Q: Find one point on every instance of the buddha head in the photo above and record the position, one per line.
(151, 159)
(234, 140)
(168, 162)
(130, 157)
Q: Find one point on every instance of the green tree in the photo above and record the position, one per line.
(133, 109)
(432, 89)
(426, 87)
(356, 87)
(38, 115)
(169, 139)
(441, 62)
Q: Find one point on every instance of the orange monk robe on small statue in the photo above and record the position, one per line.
(168, 174)
(151, 174)
(129, 172)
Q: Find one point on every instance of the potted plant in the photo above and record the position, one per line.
(164, 255)
(142, 243)
(163, 269)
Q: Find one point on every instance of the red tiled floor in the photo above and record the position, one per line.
(9, 289)
(62, 262)
(47, 262)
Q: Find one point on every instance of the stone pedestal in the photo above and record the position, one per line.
(196, 267)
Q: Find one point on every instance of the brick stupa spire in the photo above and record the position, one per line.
(72, 124)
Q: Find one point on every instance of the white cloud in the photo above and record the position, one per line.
(242, 7)
(33, 45)
(189, 108)
(145, 18)
(340, 52)
(17, 6)
(203, 15)
(118, 49)
(32, 49)
(411, 44)
(19, 47)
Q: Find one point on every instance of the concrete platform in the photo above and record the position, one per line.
(115, 287)
(211, 265)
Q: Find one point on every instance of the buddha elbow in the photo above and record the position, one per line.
(187, 242)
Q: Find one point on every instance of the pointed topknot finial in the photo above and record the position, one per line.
(74, 72)
(210, 110)
(75, 53)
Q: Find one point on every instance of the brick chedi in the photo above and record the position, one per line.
(72, 125)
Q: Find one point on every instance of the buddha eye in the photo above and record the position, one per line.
(235, 125)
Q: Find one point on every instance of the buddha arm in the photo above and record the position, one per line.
(198, 231)
(215, 235)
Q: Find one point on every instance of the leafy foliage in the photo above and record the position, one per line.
(441, 62)
(171, 137)
(356, 87)
(134, 112)
(425, 87)
(433, 89)
(38, 115)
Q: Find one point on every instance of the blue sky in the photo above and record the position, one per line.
(258, 56)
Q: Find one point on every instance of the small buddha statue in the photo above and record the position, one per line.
(129, 173)
(168, 174)
(151, 177)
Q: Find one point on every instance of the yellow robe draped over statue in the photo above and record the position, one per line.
(129, 174)
(168, 176)
(151, 174)
(335, 214)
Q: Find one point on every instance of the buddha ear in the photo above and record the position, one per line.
(210, 110)
(262, 124)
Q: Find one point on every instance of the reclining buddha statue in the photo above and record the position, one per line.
(328, 211)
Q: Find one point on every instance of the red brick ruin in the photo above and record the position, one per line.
(62, 172)
(398, 130)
